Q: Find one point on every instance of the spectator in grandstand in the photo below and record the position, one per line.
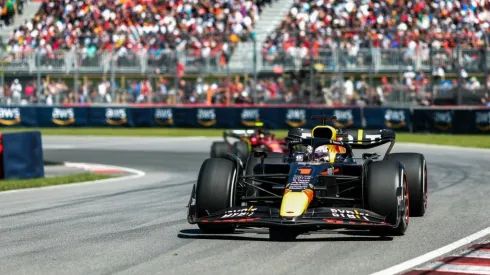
(350, 25)
(16, 90)
(202, 28)
(8, 10)
(473, 84)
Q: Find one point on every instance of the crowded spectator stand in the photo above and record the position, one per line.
(422, 41)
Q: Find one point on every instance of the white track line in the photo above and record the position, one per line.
(444, 147)
(58, 147)
(136, 174)
(434, 254)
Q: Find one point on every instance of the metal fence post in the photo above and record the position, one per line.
(485, 61)
(312, 71)
(254, 39)
(113, 73)
(431, 68)
(38, 72)
(75, 62)
(459, 70)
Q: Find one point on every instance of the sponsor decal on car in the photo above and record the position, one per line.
(163, 116)
(304, 170)
(299, 156)
(300, 182)
(206, 117)
(350, 214)
(63, 116)
(116, 116)
(395, 118)
(10, 116)
(249, 117)
(310, 163)
(296, 117)
(244, 212)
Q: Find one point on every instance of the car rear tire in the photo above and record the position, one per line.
(385, 182)
(240, 148)
(215, 191)
(219, 149)
(416, 170)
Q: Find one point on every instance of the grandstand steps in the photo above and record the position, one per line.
(271, 17)
(30, 10)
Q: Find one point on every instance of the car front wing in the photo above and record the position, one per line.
(319, 217)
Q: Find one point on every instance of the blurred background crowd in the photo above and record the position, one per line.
(449, 37)
(414, 25)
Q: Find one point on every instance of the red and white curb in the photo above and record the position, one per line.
(95, 168)
(474, 259)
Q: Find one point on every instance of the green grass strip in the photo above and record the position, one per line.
(478, 141)
(49, 181)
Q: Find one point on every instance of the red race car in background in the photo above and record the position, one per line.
(247, 140)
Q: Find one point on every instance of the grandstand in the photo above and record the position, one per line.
(347, 52)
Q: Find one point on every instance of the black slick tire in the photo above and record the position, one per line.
(416, 170)
(219, 149)
(215, 191)
(385, 182)
(240, 149)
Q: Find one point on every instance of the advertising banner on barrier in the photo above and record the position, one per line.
(110, 116)
(397, 119)
(434, 120)
(346, 117)
(62, 116)
(18, 116)
(452, 121)
(481, 120)
(438, 120)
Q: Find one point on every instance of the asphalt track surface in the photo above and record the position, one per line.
(140, 227)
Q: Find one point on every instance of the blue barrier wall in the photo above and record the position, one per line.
(22, 156)
(441, 120)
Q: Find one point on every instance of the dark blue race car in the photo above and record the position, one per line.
(358, 184)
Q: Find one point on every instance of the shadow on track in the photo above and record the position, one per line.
(239, 236)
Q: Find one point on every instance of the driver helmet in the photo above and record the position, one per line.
(322, 153)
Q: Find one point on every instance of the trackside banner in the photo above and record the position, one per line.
(452, 121)
(441, 120)
(397, 119)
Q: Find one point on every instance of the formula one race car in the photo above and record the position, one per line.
(247, 141)
(356, 184)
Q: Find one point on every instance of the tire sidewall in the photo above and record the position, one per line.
(385, 183)
(416, 169)
(219, 149)
(216, 193)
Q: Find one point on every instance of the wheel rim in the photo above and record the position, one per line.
(407, 201)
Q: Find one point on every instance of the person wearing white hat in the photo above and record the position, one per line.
(16, 89)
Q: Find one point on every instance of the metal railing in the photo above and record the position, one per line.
(365, 60)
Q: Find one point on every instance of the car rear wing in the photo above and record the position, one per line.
(238, 133)
(361, 139)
